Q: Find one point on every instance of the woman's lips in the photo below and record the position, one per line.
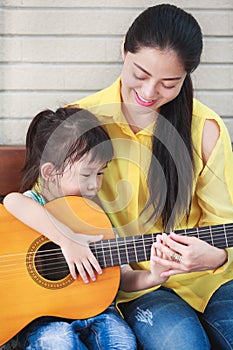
(141, 101)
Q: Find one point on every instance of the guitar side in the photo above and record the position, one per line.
(26, 294)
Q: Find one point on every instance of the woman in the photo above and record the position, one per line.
(172, 169)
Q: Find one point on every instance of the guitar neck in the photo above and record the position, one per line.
(125, 250)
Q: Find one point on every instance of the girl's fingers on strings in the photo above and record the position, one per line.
(89, 269)
(72, 270)
(95, 265)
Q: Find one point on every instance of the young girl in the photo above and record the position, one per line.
(66, 154)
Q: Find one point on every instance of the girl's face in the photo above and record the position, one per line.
(82, 178)
(150, 78)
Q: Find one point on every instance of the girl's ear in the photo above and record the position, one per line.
(47, 170)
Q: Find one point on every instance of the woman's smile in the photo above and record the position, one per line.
(142, 101)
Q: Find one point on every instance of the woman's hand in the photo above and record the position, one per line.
(181, 254)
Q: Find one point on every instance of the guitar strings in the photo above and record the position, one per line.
(125, 241)
(58, 270)
(102, 260)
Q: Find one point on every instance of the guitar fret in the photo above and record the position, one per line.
(220, 239)
(126, 252)
(131, 250)
(95, 250)
(122, 249)
(102, 247)
(115, 252)
(215, 235)
(225, 234)
(110, 251)
(207, 232)
(211, 236)
(135, 250)
(118, 252)
(139, 248)
(144, 248)
(149, 240)
(229, 232)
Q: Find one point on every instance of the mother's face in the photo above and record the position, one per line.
(151, 77)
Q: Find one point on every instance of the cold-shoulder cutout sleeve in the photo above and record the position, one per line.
(215, 183)
(210, 136)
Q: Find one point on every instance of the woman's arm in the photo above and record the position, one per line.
(74, 246)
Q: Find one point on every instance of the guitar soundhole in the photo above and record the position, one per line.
(50, 263)
(46, 264)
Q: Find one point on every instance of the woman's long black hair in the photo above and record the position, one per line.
(168, 27)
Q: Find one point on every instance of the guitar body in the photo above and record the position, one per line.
(30, 289)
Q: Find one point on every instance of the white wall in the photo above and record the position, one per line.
(53, 52)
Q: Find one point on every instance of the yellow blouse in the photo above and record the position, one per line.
(124, 191)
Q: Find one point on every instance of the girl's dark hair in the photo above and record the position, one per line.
(167, 27)
(62, 138)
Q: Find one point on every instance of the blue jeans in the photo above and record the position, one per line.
(105, 331)
(161, 320)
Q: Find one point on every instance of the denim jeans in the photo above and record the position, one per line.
(105, 331)
(161, 320)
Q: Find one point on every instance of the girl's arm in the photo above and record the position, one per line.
(133, 280)
(74, 246)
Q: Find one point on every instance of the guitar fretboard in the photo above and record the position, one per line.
(124, 250)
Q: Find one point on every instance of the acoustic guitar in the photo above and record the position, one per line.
(35, 279)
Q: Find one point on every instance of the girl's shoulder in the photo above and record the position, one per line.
(35, 196)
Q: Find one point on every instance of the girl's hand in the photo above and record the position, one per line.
(183, 254)
(80, 258)
(155, 268)
(76, 251)
(74, 246)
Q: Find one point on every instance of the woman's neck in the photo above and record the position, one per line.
(136, 119)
